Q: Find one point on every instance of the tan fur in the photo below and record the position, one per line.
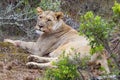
(55, 37)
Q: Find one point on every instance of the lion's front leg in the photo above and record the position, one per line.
(37, 62)
(35, 65)
(38, 59)
(12, 41)
(23, 44)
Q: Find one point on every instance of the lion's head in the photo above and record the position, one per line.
(48, 21)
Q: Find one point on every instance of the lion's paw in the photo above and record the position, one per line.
(32, 65)
(7, 40)
(33, 58)
(10, 41)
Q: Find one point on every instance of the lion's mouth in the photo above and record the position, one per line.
(42, 29)
(39, 32)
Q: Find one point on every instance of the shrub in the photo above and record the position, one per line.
(116, 15)
(97, 31)
(101, 31)
(116, 9)
(64, 71)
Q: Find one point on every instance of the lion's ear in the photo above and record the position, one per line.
(59, 15)
(39, 10)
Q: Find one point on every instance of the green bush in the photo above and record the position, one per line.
(116, 9)
(97, 30)
(116, 16)
(64, 71)
(101, 31)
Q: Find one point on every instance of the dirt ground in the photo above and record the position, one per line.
(12, 64)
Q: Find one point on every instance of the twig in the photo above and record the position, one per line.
(116, 46)
(26, 19)
(11, 24)
(24, 14)
(81, 74)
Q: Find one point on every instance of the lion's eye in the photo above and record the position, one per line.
(49, 20)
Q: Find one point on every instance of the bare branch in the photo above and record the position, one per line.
(1, 24)
(15, 19)
(10, 8)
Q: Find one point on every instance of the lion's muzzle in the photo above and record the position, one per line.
(39, 32)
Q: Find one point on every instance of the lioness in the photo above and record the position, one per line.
(55, 37)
